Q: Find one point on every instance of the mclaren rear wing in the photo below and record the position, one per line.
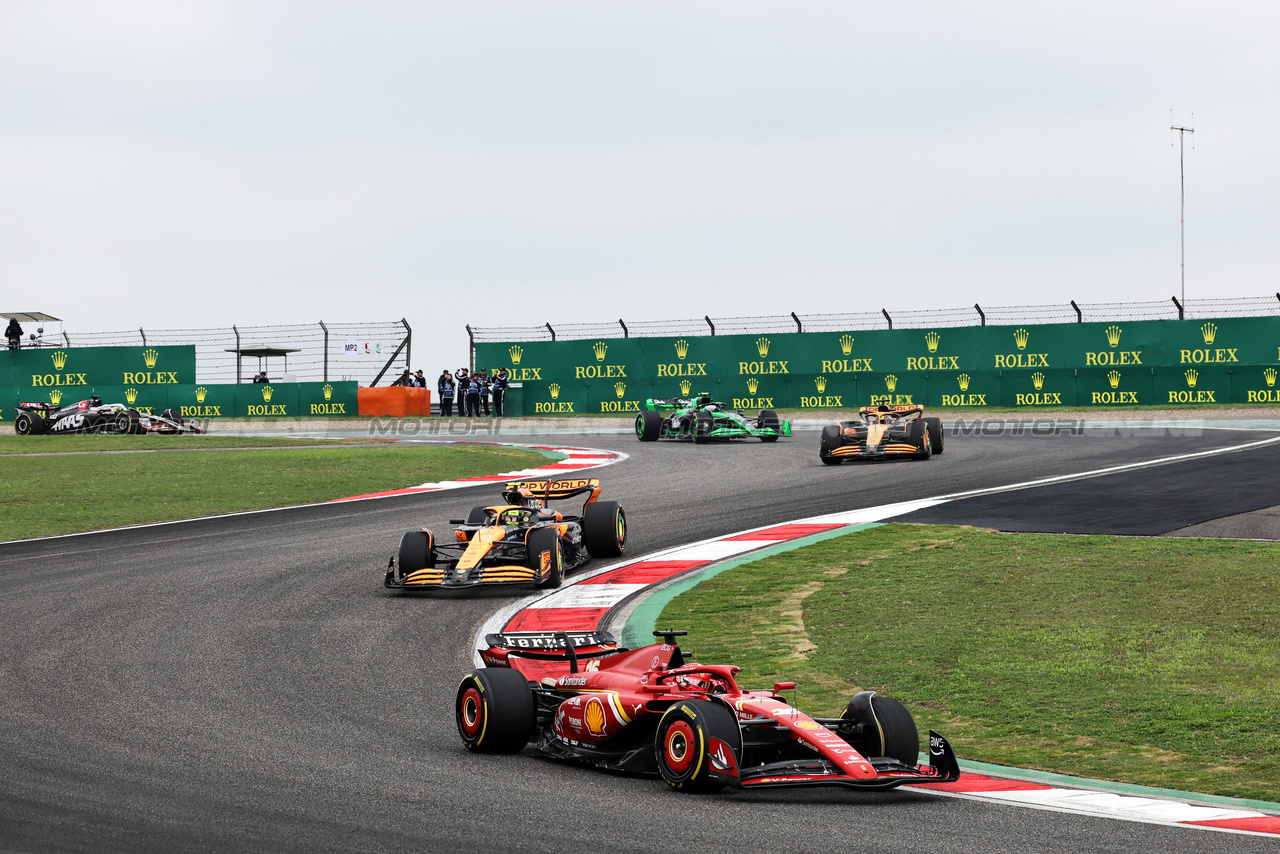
(558, 490)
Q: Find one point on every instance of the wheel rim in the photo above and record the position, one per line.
(639, 425)
(622, 529)
(471, 712)
(677, 747)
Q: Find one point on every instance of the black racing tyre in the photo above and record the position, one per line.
(546, 556)
(888, 731)
(682, 744)
(417, 551)
(769, 419)
(829, 442)
(495, 710)
(124, 423)
(918, 435)
(604, 529)
(26, 425)
(935, 433)
(703, 426)
(476, 516)
(648, 426)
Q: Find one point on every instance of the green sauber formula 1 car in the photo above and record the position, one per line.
(705, 420)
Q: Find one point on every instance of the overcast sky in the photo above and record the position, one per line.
(183, 164)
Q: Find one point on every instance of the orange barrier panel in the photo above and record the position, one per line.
(395, 400)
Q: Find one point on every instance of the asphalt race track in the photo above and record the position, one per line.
(246, 684)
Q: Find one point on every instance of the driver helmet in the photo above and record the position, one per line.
(512, 517)
(703, 400)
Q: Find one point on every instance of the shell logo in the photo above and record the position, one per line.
(593, 716)
(808, 725)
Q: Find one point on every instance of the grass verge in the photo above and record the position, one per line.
(45, 495)
(72, 444)
(1148, 661)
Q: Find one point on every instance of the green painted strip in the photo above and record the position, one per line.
(638, 630)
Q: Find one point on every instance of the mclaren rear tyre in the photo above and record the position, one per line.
(604, 529)
(648, 426)
(476, 516)
(887, 728)
(703, 427)
(830, 441)
(417, 551)
(496, 712)
(935, 433)
(546, 556)
(918, 435)
(683, 744)
(769, 420)
(25, 424)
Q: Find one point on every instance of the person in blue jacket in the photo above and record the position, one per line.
(447, 388)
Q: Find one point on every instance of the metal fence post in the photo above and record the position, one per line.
(408, 343)
(625, 333)
(144, 336)
(1179, 305)
(1080, 316)
(707, 318)
(885, 312)
(237, 332)
(471, 353)
(799, 328)
(326, 350)
(982, 316)
(552, 331)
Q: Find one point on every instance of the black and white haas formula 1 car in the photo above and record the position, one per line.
(94, 416)
(649, 710)
(518, 540)
(882, 431)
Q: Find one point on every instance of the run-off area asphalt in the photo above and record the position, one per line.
(246, 684)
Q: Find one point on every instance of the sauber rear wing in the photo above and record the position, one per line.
(558, 490)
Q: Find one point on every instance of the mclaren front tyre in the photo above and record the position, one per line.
(546, 556)
(935, 433)
(829, 442)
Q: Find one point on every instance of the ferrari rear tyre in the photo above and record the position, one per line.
(417, 551)
(918, 435)
(495, 710)
(683, 744)
(25, 425)
(935, 433)
(829, 442)
(604, 528)
(546, 556)
(889, 729)
(770, 420)
(703, 426)
(648, 426)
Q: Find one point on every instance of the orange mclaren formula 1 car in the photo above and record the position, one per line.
(650, 710)
(882, 431)
(518, 540)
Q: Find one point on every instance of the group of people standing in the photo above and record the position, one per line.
(472, 391)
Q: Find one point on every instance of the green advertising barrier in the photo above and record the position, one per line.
(1025, 366)
(81, 370)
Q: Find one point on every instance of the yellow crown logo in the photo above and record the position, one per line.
(1020, 338)
(1270, 376)
(762, 347)
(1192, 376)
(201, 393)
(150, 357)
(846, 344)
(1113, 336)
(931, 340)
(963, 379)
(620, 388)
(554, 388)
(682, 348)
(59, 360)
(516, 352)
(1209, 331)
(821, 383)
(752, 385)
(685, 385)
(891, 382)
(600, 349)
(130, 395)
(266, 393)
(1037, 380)
(55, 396)
(1114, 379)
(328, 391)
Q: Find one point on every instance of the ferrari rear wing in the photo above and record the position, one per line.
(567, 647)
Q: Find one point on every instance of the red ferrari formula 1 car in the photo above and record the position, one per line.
(647, 710)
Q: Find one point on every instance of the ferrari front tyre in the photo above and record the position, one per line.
(935, 433)
(25, 425)
(887, 728)
(496, 711)
(829, 442)
(703, 426)
(604, 528)
(648, 426)
(417, 551)
(769, 420)
(546, 556)
(683, 745)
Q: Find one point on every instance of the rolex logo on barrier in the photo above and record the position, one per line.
(1040, 397)
(59, 360)
(1209, 332)
(1037, 380)
(1111, 397)
(1270, 376)
(55, 396)
(150, 357)
(931, 340)
(1192, 375)
(201, 394)
(964, 398)
(1269, 394)
(600, 349)
(891, 382)
(516, 352)
(1020, 337)
(846, 344)
(1114, 378)
(682, 348)
(130, 395)
(963, 380)
(554, 388)
(820, 383)
(685, 385)
(620, 389)
(762, 347)
(1113, 336)
(266, 393)
(752, 385)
